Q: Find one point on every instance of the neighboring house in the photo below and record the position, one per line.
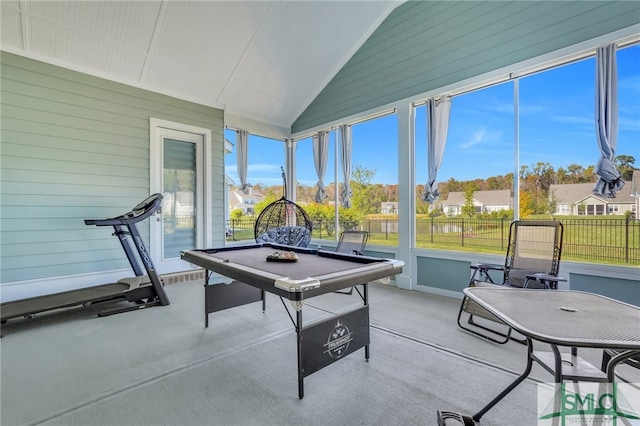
(635, 193)
(245, 202)
(579, 199)
(389, 207)
(484, 202)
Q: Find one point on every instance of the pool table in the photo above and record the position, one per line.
(312, 273)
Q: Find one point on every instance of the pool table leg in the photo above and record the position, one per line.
(299, 343)
(366, 302)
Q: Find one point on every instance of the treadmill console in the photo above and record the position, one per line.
(151, 203)
(140, 212)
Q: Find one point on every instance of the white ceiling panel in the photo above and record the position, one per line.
(11, 28)
(265, 60)
(199, 45)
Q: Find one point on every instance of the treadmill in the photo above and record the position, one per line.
(144, 290)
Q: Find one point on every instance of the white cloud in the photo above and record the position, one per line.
(477, 137)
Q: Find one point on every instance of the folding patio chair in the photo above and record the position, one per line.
(532, 261)
(352, 242)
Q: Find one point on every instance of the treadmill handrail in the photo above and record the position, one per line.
(149, 206)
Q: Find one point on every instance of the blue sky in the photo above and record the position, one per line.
(556, 127)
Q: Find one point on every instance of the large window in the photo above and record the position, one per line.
(553, 154)
(265, 158)
(306, 172)
(557, 137)
(629, 109)
(374, 182)
(476, 174)
(374, 178)
(322, 214)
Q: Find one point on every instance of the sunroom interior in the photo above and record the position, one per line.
(89, 87)
(149, 71)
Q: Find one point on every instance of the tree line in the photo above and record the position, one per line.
(368, 197)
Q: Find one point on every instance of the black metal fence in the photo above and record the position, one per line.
(598, 240)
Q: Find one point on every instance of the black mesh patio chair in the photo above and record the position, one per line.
(352, 242)
(532, 261)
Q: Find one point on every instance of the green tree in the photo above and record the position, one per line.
(422, 207)
(624, 164)
(526, 204)
(268, 199)
(552, 203)
(575, 172)
(321, 215)
(364, 193)
(468, 208)
(349, 218)
(236, 214)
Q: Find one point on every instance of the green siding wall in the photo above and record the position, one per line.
(74, 146)
(625, 290)
(451, 275)
(426, 45)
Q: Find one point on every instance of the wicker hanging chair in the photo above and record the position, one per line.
(283, 222)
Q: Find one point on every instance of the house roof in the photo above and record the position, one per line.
(501, 197)
(572, 193)
(577, 192)
(266, 60)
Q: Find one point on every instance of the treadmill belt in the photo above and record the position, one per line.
(19, 308)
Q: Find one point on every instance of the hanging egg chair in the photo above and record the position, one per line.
(283, 222)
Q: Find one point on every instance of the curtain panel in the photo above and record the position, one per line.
(320, 156)
(345, 160)
(606, 117)
(438, 111)
(242, 146)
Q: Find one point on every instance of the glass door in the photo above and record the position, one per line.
(178, 173)
(179, 187)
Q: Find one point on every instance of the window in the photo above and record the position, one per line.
(322, 214)
(374, 179)
(265, 158)
(306, 170)
(556, 155)
(477, 166)
(374, 182)
(557, 137)
(629, 109)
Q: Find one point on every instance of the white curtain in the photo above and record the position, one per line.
(320, 156)
(242, 145)
(437, 128)
(609, 181)
(345, 160)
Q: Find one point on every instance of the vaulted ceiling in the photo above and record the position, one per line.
(264, 60)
